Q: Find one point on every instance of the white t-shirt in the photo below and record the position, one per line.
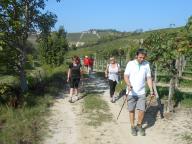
(138, 73)
(114, 72)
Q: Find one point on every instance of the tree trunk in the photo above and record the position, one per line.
(22, 76)
(155, 74)
(178, 68)
(23, 81)
(155, 90)
(160, 107)
(183, 63)
(171, 93)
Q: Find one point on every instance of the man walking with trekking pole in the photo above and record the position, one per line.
(137, 72)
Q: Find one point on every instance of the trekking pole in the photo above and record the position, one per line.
(123, 104)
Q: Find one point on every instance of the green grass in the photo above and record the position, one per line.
(97, 110)
(185, 98)
(187, 103)
(182, 82)
(89, 37)
(187, 73)
(73, 37)
(185, 83)
(104, 46)
(103, 49)
(163, 78)
(120, 86)
(187, 137)
(9, 79)
(100, 74)
(24, 125)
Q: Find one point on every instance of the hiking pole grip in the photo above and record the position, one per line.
(123, 105)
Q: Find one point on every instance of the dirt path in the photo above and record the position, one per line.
(62, 123)
(67, 124)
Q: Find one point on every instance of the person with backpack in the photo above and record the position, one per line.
(137, 72)
(73, 77)
(112, 72)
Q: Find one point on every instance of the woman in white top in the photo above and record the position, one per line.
(112, 72)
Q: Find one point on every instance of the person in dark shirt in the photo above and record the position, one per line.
(73, 77)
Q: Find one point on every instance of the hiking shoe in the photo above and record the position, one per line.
(141, 131)
(112, 100)
(71, 101)
(134, 131)
(76, 98)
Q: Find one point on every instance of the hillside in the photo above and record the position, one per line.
(117, 40)
(91, 36)
(95, 37)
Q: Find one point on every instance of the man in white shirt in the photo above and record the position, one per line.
(136, 73)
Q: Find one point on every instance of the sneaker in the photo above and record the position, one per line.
(71, 100)
(141, 131)
(134, 131)
(112, 100)
(77, 97)
(116, 97)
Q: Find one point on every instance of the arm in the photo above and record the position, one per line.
(68, 75)
(126, 76)
(81, 71)
(149, 81)
(106, 71)
(127, 81)
(150, 85)
(119, 69)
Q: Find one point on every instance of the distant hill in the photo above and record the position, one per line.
(91, 36)
(123, 40)
(96, 36)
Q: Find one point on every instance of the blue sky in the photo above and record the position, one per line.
(122, 15)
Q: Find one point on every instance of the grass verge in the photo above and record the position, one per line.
(97, 110)
(23, 125)
(187, 137)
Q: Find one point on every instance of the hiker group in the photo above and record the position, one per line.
(136, 74)
(75, 73)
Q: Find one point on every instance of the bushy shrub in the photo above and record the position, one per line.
(9, 95)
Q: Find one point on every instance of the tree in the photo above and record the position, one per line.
(163, 50)
(17, 19)
(73, 47)
(188, 27)
(54, 47)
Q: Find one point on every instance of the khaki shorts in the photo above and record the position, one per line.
(136, 102)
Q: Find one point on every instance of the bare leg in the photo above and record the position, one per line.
(140, 117)
(71, 92)
(139, 123)
(132, 117)
(76, 91)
